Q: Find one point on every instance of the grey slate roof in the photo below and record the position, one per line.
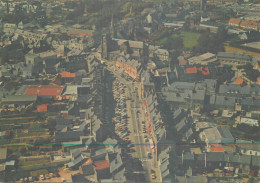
(115, 163)
(223, 101)
(256, 161)
(188, 156)
(76, 154)
(230, 55)
(236, 89)
(88, 170)
(3, 153)
(19, 98)
(75, 162)
(248, 101)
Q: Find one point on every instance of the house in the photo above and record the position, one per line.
(239, 90)
(250, 103)
(9, 28)
(2, 172)
(19, 100)
(131, 67)
(256, 162)
(116, 163)
(240, 81)
(203, 59)
(33, 59)
(212, 26)
(158, 53)
(249, 121)
(103, 169)
(155, 127)
(146, 82)
(233, 58)
(217, 135)
(249, 25)
(75, 178)
(76, 163)
(53, 91)
(80, 32)
(87, 167)
(3, 154)
(257, 66)
(194, 98)
(136, 49)
(97, 129)
(73, 133)
(165, 166)
(234, 22)
(195, 179)
(225, 102)
(66, 77)
(248, 148)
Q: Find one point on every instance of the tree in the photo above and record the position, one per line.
(203, 43)
(174, 43)
(23, 151)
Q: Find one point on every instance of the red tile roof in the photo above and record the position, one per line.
(65, 115)
(234, 21)
(182, 62)
(42, 108)
(161, 70)
(88, 162)
(258, 80)
(8, 133)
(249, 24)
(67, 75)
(44, 90)
(217, 149)
(252, 172)
(191, 70)
(192, 22)
(239, 81)
(101, 165)
(204, 70)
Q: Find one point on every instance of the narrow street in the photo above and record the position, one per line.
(141, 147)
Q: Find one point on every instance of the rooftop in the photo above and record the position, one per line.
(65, 74)
(3, 153)
(101, 165)
(191, 70)
(44, 90)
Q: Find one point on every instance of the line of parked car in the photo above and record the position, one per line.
(120, 118)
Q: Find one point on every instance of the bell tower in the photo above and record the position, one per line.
(104, 53)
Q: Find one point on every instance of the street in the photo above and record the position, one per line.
(141, 147)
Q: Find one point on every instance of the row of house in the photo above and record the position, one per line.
(155, 127)
(130, 66)
(244, 24)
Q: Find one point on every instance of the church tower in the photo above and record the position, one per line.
(112, 28)
(104, 53)
(203, 5)
(6, 7)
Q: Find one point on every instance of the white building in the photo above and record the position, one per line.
(249, 121)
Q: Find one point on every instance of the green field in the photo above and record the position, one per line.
(33, 163)
(190, 39)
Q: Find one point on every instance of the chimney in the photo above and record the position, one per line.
(182, 156)
(205, 159)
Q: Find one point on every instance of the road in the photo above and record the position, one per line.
(137, 135)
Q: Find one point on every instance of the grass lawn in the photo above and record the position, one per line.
(23, 134)
(33, 163)
(190, 39)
